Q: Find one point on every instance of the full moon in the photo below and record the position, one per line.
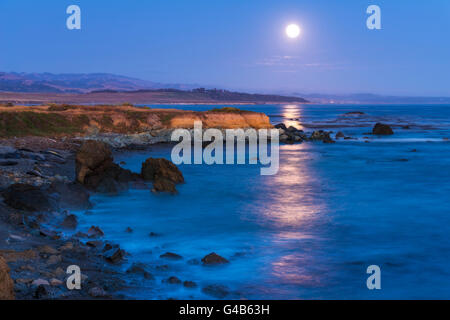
(293, 31)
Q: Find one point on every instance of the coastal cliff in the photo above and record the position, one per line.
(71, 120)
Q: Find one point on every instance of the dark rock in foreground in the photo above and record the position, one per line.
(213, 259)
(382, 129)
(29, 198)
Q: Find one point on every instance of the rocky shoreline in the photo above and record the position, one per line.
(42, 179)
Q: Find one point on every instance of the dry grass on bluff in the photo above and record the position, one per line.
(69, 120)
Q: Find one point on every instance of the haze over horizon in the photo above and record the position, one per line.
(236, 45)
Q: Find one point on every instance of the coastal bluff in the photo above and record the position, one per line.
(79, 120)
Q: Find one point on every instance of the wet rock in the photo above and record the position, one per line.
(354, 113)
(153, 234)
(164, 185)
(214, 259)
(94, 244)
(129, 230)
(163, 173)
(171, 256)
(50, 234)
(95, 232)
(382, 129)
(40, 282)
(91, 156)
(321, 136)
(41, 292)
(72, 196)
(97, 292)
(6, 283)
(70, 222)
(189, 284)
(340, 134)
(140, 268)
(281, 126)
(114, 255)
(80, 234)
(96, 171)
(172, 280)
(217, 291)
(29, 198)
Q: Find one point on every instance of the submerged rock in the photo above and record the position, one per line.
(6, 283)
(172, 280)
(170, 255)
(213, 259)
(217, 291)
(382, 129)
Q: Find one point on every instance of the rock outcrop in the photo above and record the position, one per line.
(6, 283)
(382, 129)
(164, 174)
(96, 170)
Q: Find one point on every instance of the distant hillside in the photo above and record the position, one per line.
(76, 83)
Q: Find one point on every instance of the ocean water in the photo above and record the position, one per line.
(310, 231)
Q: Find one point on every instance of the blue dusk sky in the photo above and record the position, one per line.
(238, 44)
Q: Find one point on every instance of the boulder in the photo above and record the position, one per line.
(164, 185)
(164, 174)
(96, 170)
(213, 259)
(70, 222)
(6, 283)
(29, 198)
(91, 156)
(171, 256)
(382, 129)
(153, 169)
(321, 136)
(340, 134)
(95, 232)
(172, 280)
(114, 255)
